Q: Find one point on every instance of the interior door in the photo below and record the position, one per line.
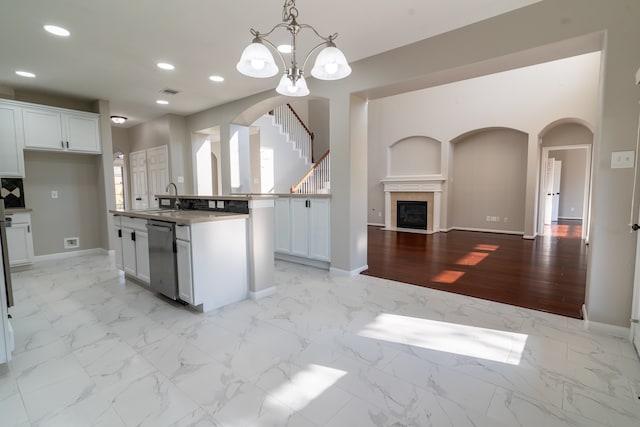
(555, 201)
(139, 188)
(548, 190)
(158, 172)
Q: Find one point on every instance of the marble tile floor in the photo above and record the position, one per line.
(95, 350)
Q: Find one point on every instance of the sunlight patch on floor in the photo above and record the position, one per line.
(472, 258)
(448, 276)
(483, 343)
(307, 385)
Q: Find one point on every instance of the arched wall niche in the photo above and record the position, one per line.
(414, 156)
(564, 121)
(487, 181)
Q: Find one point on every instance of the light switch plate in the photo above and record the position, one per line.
(54, 194)
(622, 159)
(165, 202)
(212, 204)
(181, 180)
(220, 204)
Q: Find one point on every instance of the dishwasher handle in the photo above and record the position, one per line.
(160, 228)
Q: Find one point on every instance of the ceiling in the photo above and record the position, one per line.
(115, 45)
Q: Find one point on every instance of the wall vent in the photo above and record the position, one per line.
(71, 242)
(168, 91)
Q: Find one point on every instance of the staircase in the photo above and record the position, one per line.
(317, 179)
(296, 132)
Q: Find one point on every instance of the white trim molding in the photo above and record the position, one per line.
(62, 255)
(263, 293)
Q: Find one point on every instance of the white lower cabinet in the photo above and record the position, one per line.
(303, 228)
(212, 263)
(20, 239)
(132, 246)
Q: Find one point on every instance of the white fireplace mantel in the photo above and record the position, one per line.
(413, 184)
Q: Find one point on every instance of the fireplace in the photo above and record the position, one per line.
(426, 189)
(411, 214)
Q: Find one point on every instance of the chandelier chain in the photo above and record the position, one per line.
(289, 10)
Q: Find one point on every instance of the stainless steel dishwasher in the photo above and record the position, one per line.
(162, 258)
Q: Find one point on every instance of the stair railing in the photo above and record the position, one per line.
(298, 133)
(317, 179)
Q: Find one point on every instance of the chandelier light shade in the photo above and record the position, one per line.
(258, 61)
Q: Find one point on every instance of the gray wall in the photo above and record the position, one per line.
(489, 179)
(76, 211)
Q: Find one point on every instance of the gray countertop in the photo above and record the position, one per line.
(186, 217)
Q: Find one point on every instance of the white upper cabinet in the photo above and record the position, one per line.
(11, 142)
(61, 130)
(82, 132)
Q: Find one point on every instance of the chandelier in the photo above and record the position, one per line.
(257, 60)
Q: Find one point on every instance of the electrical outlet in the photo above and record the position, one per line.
(54, 194)
(220, 204)
(506, 219)
(380, 214)
(488, 218)
(212, 204)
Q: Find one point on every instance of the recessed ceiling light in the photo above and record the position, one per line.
(58, 31)
(162, 102)
(118, 119)
(285, 48)
(216, 78)
(165, 66)
(25, 74)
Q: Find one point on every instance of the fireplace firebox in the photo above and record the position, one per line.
(411, 214)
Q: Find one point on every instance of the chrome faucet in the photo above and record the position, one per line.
(177, 202)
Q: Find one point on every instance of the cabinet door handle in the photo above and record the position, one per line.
(133, 236)
(119, 233)
(62, 144)
(67, 144)
(28, 229)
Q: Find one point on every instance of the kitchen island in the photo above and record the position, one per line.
(223, 246)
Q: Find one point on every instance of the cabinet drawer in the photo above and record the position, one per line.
(135, 223)
(183, 232)
(18, 218)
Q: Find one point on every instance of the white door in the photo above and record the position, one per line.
(139, 188)
(157, 172)
(548, 190)
(555, 203)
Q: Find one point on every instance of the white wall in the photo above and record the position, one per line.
(288, 166)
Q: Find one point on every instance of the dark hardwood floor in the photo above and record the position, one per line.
(547, 274)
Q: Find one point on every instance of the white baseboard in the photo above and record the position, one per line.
(605, 328)
(301, 260)
(487, 230)
(263, 293)
(572, 218)
(352, 273)
(63, 255)
(529, 236)
(373, 224)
